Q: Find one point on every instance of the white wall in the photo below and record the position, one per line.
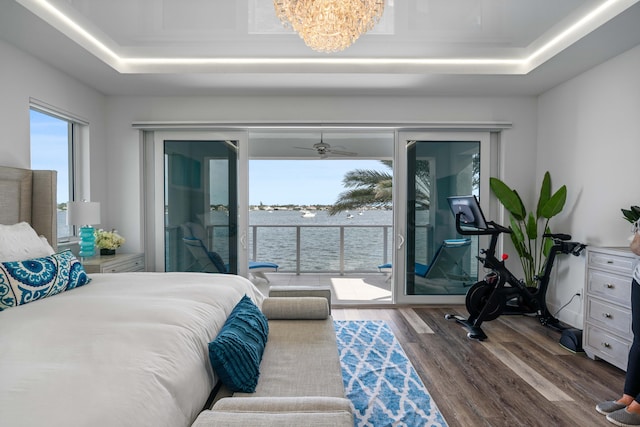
(589, 139)
(24, 77)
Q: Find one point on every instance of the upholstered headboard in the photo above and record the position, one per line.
(30, 196)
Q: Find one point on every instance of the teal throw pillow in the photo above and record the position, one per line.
(22, 282)
(236, 353)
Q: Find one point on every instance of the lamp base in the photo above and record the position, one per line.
(87, 242)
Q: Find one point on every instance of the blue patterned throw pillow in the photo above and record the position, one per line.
(22, 282)
(237, 351)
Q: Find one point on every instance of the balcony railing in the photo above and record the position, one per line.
(322, 248)
(311, 248)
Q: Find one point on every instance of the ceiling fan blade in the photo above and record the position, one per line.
(343, 153)
(306, 148)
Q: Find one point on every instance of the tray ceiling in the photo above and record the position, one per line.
(436, 47)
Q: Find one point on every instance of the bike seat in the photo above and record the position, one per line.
(558, 236)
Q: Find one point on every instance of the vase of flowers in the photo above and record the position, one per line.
(108, 241)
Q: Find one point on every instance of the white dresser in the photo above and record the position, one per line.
(607, 316)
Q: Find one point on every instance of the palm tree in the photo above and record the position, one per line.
(375, 188)
(366, 188)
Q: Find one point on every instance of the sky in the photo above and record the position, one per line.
(302, 182)
(272, 182)
(50, 149)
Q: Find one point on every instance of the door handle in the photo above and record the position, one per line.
(401, 241)
(243, 240)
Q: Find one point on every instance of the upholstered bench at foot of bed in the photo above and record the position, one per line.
(300, 382)
(278, 412)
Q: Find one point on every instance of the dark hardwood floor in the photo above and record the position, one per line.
(520, 376)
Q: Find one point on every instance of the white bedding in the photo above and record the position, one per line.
(128, 349)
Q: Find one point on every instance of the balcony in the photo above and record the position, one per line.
(344, 257)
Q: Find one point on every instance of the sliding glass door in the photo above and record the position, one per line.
(437, 261)
(198, 224)
(200, 205)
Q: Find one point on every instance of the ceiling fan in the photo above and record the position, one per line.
(323, 149)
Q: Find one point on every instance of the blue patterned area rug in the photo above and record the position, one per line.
(379, 379)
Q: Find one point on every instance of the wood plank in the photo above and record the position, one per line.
(415, 321)
(524, 371)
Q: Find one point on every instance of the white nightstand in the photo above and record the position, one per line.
(117, 263)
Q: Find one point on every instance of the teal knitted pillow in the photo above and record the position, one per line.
(236, 353)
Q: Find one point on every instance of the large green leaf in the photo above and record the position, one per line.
(547, 244)
(516, 232)
(545, 193)
(508, 197)
(522, 208)
(519, 245)
(555, 204)
(532, 227)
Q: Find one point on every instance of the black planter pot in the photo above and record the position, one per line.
(107, 251)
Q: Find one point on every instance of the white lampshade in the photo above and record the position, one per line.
(83, 213)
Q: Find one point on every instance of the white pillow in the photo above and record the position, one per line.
(19, 242)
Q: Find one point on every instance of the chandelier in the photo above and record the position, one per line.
(329, 25)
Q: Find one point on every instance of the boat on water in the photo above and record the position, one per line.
(349, 216)
(307, 214)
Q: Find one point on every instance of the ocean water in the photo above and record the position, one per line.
(64, 229)
(364, 239)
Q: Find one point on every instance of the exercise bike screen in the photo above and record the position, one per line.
(469, 209)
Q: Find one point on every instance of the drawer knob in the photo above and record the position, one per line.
(607, 315)
(606, 345)
(609, 286)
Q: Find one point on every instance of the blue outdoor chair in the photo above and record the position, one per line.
(211, 262)
(443, 263)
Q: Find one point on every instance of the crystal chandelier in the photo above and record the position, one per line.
(329, 25)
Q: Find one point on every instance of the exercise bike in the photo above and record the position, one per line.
(500, 292)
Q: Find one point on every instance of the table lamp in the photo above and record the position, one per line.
(85, 214)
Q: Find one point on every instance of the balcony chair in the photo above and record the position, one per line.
(211, 262)
(444, 265)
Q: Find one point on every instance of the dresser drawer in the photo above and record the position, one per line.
(609, 316)
(611, 287)
(607, 346)
(610, 262)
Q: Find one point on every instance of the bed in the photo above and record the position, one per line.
(127, 349)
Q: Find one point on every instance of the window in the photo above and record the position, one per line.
(52, 149)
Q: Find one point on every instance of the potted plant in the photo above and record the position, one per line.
(632, 214)
(528, 228)
(108, 241)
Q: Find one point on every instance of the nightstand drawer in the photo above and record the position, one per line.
(611, 317)
(607, 346)
(118, 263)
(611, 287)
(131, 265)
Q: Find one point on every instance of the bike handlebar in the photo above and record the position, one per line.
(492, 229)
(558, 236)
